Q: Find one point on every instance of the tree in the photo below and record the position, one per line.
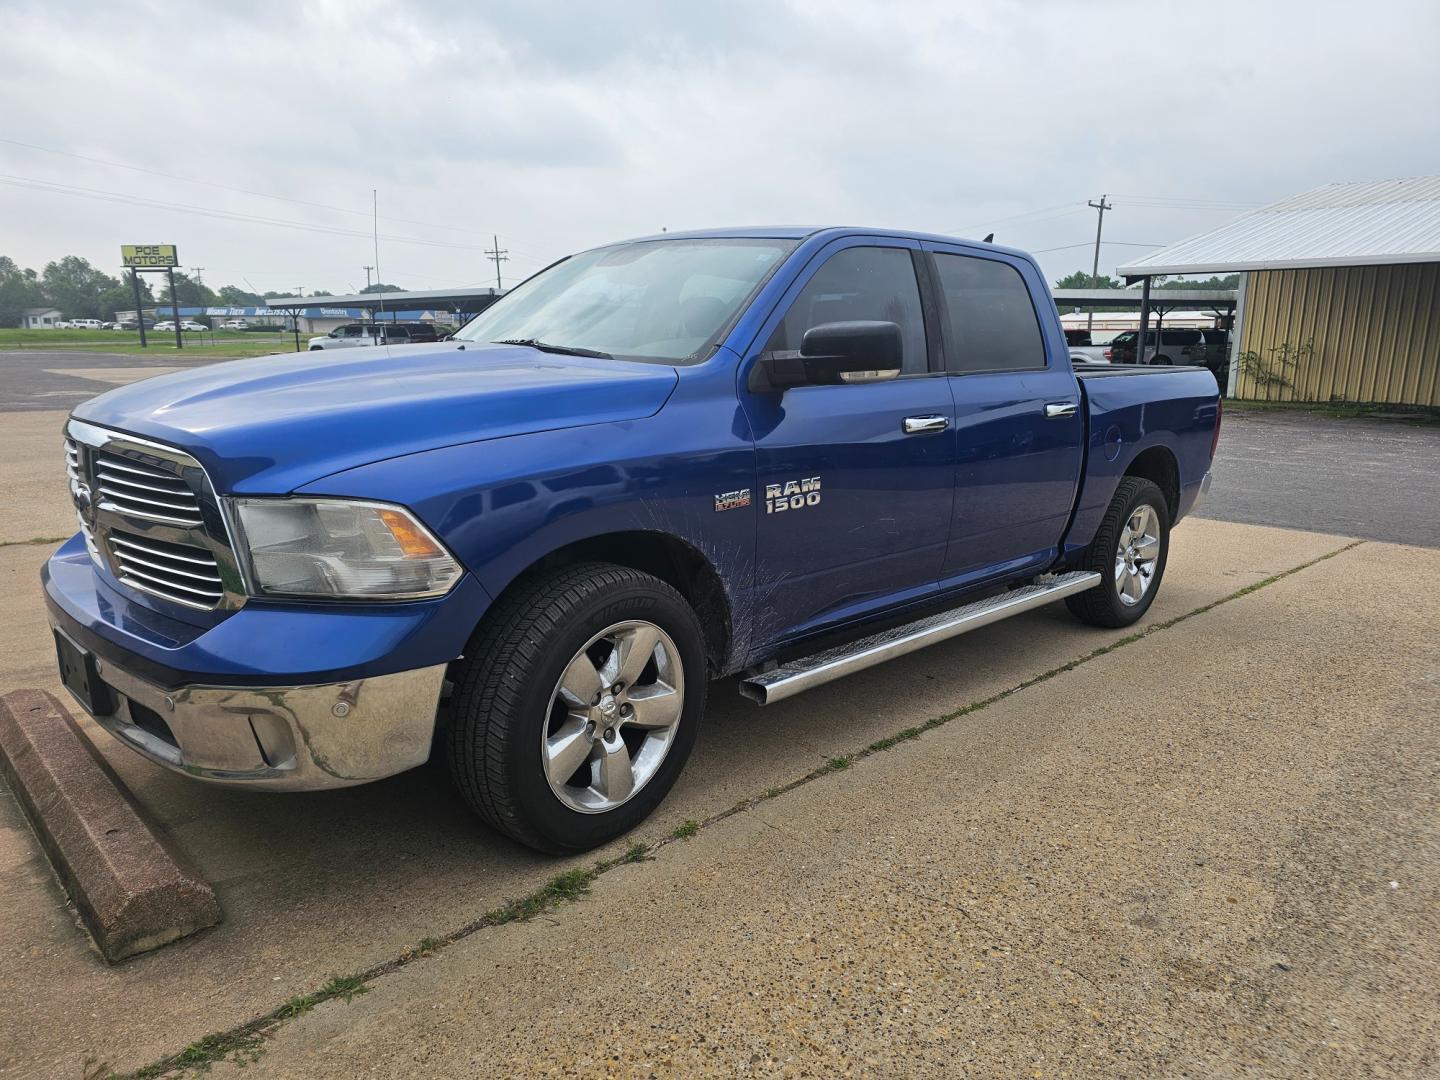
(188, 291)
(75, 287)
(122, 296)
(233, 296)
(1230, 281)
(19, 289)
(381, 287)
(1081, 279)
(321, 292)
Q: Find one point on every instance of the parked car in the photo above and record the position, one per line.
(235, 324)
(1083, 350)
(1179, 346)
(352, 335)
(167, 326)
(134, 324)
(654, 464)
(192, 325)
(85, 324)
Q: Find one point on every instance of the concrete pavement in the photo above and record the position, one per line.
(332, 883)
(1211, 852)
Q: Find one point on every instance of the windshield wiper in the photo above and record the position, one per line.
(545, 346)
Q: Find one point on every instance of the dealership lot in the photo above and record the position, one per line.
(1198, 830)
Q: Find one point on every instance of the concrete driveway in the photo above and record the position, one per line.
(1117, 856)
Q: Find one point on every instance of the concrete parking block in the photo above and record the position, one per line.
(133, 892)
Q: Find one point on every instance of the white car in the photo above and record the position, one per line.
(190, 324)
(168, 324)
(85, 324)
(235, 324)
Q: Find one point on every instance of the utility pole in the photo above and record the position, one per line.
(1101, 206)
(198, 279)
(497, 255)
(367, 270)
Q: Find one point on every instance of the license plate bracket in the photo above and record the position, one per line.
(81, 677)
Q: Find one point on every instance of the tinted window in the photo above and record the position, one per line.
(992, 321)
(864, 284)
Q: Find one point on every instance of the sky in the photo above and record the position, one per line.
(253, 135)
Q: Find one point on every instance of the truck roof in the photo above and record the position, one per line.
(829, 232)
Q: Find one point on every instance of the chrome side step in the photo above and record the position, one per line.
(789, 679)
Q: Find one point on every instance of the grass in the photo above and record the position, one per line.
(243, 1044)
(1422, 415)
(127, 343)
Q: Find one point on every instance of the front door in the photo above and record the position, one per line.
(854, 480)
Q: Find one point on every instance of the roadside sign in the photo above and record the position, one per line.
(149, 256)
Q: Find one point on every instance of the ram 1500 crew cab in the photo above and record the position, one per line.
(779, 454)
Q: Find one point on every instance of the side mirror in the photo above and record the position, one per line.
(838, 352)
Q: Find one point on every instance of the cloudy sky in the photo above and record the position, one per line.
(252, 134)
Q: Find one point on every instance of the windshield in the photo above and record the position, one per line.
(661, 300)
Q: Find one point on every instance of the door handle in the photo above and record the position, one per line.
(1056, 410)
(925, 425)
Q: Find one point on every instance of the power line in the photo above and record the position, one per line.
(232, 188)
(1087, 243)
(222, 215)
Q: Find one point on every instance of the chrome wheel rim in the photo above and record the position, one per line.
(1137, 555)
(613, 717)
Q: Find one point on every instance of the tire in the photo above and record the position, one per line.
(1112, 603)
(512, 706)
(1156, 361)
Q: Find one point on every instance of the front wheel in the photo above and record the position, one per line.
(1129, 553)
(576, 706)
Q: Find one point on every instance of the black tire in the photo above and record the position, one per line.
(1102, 605)
(502, 689)
(1157, 361)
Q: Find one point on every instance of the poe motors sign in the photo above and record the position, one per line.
(144, 258)
(149, 256)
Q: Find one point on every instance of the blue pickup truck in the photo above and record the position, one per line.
(783, 455)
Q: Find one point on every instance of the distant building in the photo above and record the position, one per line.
(41, 318)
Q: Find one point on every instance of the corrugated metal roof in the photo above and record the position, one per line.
(1368, 223)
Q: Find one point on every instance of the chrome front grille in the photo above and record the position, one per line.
(178, 572)
(75, 473)
(151, 517)
(138, 489)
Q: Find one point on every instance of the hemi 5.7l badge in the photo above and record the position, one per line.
(732, 500)
(792, 495)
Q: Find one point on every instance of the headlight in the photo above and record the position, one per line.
(340, 549)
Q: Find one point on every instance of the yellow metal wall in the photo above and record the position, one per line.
(1375, 329)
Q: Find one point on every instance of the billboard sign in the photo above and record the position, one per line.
(149, 256)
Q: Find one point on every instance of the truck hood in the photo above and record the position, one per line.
(272, 424)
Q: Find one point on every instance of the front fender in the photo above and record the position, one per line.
(505, 504)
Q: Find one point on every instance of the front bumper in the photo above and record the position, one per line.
(293, 738)
(273, 695)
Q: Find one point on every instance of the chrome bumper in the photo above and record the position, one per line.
(292, 738)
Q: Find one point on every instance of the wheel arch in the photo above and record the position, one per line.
(1159, 465)
(674, 561)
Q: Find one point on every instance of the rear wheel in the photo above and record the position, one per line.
(577, 705)
(1129, 553)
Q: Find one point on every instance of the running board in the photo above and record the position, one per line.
(791, 678)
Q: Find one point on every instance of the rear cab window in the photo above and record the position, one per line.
(992, 323)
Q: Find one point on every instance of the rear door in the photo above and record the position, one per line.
(1018, 425)
(853, 480)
